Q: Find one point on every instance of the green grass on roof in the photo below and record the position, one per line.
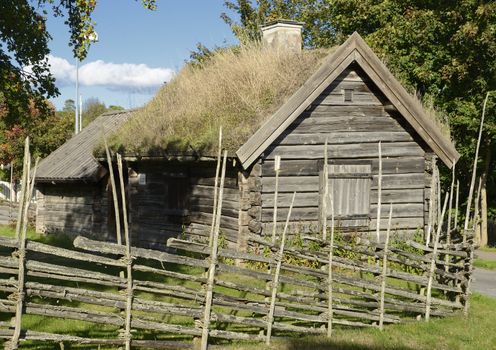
(238, 88)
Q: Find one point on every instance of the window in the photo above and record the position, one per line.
(349, 185)
(348, 95)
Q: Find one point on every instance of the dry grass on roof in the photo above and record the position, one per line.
(238, 88)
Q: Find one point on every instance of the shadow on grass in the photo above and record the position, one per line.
(309, 344)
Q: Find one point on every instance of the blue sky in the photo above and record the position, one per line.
(137, 49)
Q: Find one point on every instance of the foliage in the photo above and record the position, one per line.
(25, 79)
(92, 108)
(47, 129)
(237, 88)
(399, 242)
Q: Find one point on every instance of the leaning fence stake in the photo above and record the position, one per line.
(379, 194)
(326, 193)
(23, 187)
(275, 281)
(277, 167)
(28, 187)
(432, 203)
(433, 261)
(213, 261)
(217, 171)
(329, 282)
(455, 226)
(384, 269)
(129, 259)
(114, 194)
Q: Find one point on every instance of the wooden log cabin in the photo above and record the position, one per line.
(352, 101)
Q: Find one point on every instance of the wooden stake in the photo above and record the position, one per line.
(451, 195)
(469, 282)
(129, 259)
(217, 170)
(213, 261)
(474, 171)
(275, 281)
(114, 194)
(24, 182)
(455, 226)
(433, 262)
(432, 201)
(29, 180)
(384, 270)
(277, 167)
(330, 282)
(326, 193)
(476, 207)
(379, 194)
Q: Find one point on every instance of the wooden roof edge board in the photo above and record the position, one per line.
(353, 49)
(434, 138)
(290, 110)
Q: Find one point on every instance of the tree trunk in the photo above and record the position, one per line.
(487, 167)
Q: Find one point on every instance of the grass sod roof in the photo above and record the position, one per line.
(238, 88)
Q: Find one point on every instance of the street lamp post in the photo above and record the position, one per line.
(78, 118)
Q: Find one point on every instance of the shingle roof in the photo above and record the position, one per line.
(74, 160)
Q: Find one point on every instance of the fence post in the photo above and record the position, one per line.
(469, 282)
(277, 168)
(114, 195)
(275, 281)
(129, 259)
(329, 281)
(433, 262)
(213, 261)
(326, 193)
(27, 190)
(384, 269)
(379, 194)
(216, 183)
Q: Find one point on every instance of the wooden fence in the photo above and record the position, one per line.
(169, 295)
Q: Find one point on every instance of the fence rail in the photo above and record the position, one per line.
(67, 284)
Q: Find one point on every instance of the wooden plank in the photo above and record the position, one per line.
(311, 183)
(302, 167)
(401, 210)
(337, 138)
(359, 150)
(346, 124)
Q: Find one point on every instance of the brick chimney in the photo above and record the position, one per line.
(283, 35)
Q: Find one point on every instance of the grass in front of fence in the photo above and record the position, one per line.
(472, 333)
(485, 264)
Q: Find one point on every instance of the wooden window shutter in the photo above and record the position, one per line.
(350, 187)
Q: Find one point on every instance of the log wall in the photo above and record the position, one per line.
(73, 209)
(155, 213)
(353, 130)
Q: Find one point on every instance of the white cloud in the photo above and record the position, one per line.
(115, 76)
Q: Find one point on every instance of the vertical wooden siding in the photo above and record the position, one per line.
(353, 130)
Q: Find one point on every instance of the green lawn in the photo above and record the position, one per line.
(488, 249)
(485, 264)
(475, 332)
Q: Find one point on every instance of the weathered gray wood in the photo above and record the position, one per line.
(217, 171)
(433, 262)
(129, 259)
(384, 270)
(379, 190)
(474, 170)
(357, 150)
(305, 167)
(277, 167)
(330, 312)
(114, 194)
(336, 138)
(213, 262)
(275, 281)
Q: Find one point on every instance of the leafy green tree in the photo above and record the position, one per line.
(25, 79)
